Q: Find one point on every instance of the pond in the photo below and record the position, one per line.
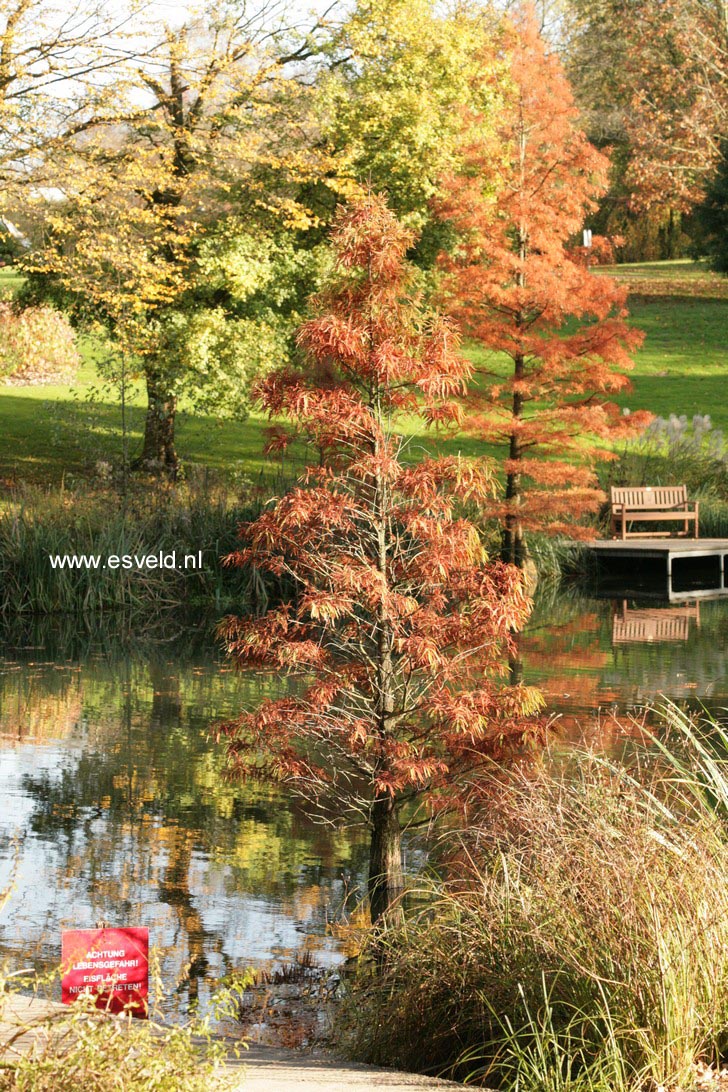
(116, 808)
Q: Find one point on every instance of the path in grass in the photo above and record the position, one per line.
(49, 432)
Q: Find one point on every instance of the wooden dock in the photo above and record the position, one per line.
(666, 558)
(26, 1024)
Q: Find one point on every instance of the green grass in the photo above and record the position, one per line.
(49, 432)
(681, 367)
(10, 281)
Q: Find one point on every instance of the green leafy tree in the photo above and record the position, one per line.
(401, 73)
(161, 202)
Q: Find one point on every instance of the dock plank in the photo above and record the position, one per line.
(659, 546)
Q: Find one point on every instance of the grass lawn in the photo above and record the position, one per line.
(46, 432)
(677, 277)
(10, 281)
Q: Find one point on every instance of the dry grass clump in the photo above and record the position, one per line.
(581, 943)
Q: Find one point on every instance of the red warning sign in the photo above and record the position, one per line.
(111, 964)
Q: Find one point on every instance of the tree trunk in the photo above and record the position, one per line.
(386, 876)
(159, 452)
(386, 880)
(175, 891)
(515, 662)
(514, 547)
(166, 709)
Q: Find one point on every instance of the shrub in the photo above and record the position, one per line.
(37, 345)
(54, 1048)
(48, 1047)
(89, 1050)
(582, 945)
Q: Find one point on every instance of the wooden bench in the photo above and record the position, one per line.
(652, 504)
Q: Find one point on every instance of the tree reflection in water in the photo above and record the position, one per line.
(108, 775)
(109, 772)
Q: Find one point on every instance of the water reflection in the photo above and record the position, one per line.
(115, 803)
(115, 806)
(643, 625)
(595, 655)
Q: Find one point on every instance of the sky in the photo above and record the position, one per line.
(176, 12)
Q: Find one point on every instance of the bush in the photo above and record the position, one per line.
(53, 1048)
(583, 945)
(89, 1050)
(37, 345)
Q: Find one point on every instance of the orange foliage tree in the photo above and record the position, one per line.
(518, 286)
(676, 74)
(653, 78)
(398, 620)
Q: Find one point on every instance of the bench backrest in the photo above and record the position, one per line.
(649, 497)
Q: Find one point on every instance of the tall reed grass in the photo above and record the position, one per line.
(37, 524)
(559, 559)
(713, 517)
(674, 451)
(581, 943)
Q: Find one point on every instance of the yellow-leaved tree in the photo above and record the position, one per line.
(176, 223)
